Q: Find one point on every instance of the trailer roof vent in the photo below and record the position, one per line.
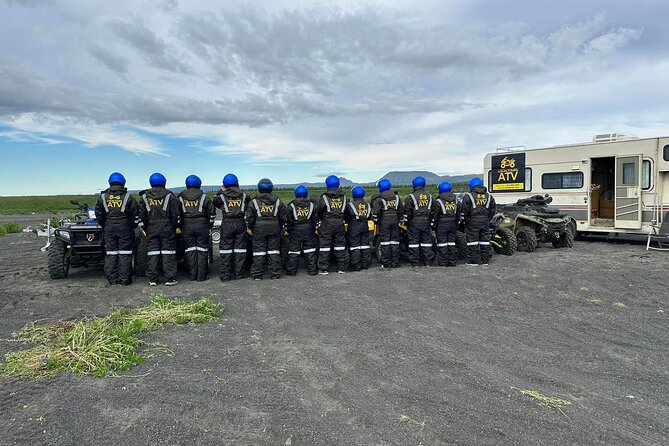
(612, 137)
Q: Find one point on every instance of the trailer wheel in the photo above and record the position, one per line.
(58, 262)
(527, 239)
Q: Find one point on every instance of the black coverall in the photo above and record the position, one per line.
(117, 213)
(386, 214)
(478, 208)
(160, 216)
(233, 204)
(331, 233)
(198, 218)
(302, 220)
(445, 219)
(265, 216)
(357, 216)
(417, 208)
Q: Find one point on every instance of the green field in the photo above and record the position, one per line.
(42, 204)
(58, 204)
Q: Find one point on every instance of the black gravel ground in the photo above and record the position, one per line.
(407, 356)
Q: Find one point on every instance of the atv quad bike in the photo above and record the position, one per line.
(76, 243)
(533, 222)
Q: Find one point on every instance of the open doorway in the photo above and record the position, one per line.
(602, 197)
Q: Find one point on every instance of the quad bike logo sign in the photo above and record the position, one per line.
(508, 173)
(90, 236)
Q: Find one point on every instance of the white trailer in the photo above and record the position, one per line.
(615, 185)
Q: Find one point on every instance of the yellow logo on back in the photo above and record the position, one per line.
(481, 199)
(114, 201)
(302, 212)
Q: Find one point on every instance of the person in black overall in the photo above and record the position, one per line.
(445, 218)
(198, 218)
(478, 208)
(301, 224)
(265, 216)
(331, 231)
(117, 213)
(232, 202)
(160, 217)
(386, 214)
(357, 216)
(417, 207)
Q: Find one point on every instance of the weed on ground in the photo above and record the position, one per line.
(544, 400)
(100, 346)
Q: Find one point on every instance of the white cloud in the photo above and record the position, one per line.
(350, 84)
(52, 129)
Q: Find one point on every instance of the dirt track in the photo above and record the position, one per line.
(341, 359)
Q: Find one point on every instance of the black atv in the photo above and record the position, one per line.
(76, 243)
(534, 222)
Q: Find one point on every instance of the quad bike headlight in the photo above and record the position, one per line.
(64, 234)
(215, 236)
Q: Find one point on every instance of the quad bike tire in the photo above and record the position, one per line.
(567, 239)
(141, 258)
(526, 239)
(461, 245)
(58, 263)
(509, 244)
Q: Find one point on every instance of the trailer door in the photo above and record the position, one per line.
(628, 192)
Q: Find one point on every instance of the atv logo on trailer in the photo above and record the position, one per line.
(508, 173)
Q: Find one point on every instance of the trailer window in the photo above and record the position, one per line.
(629, 173)
(562, 180)
(645, 174)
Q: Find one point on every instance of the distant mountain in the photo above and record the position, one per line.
(399, 178)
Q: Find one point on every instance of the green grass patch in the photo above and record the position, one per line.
(544, 400)
(10, 228)
(43, 204)
(101, 346)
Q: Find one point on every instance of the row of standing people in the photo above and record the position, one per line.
(316, 228)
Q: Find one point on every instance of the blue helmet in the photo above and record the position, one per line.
(230, 180)
(265, 186)
(418, 182)
(301, 191)
(445, 187)
(358, 192)
(116, 178)
(384, 184)
(193, 181)
(475, 182)
(157, 179)
(332, 182)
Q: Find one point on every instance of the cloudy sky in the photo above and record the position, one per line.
(295, 90)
